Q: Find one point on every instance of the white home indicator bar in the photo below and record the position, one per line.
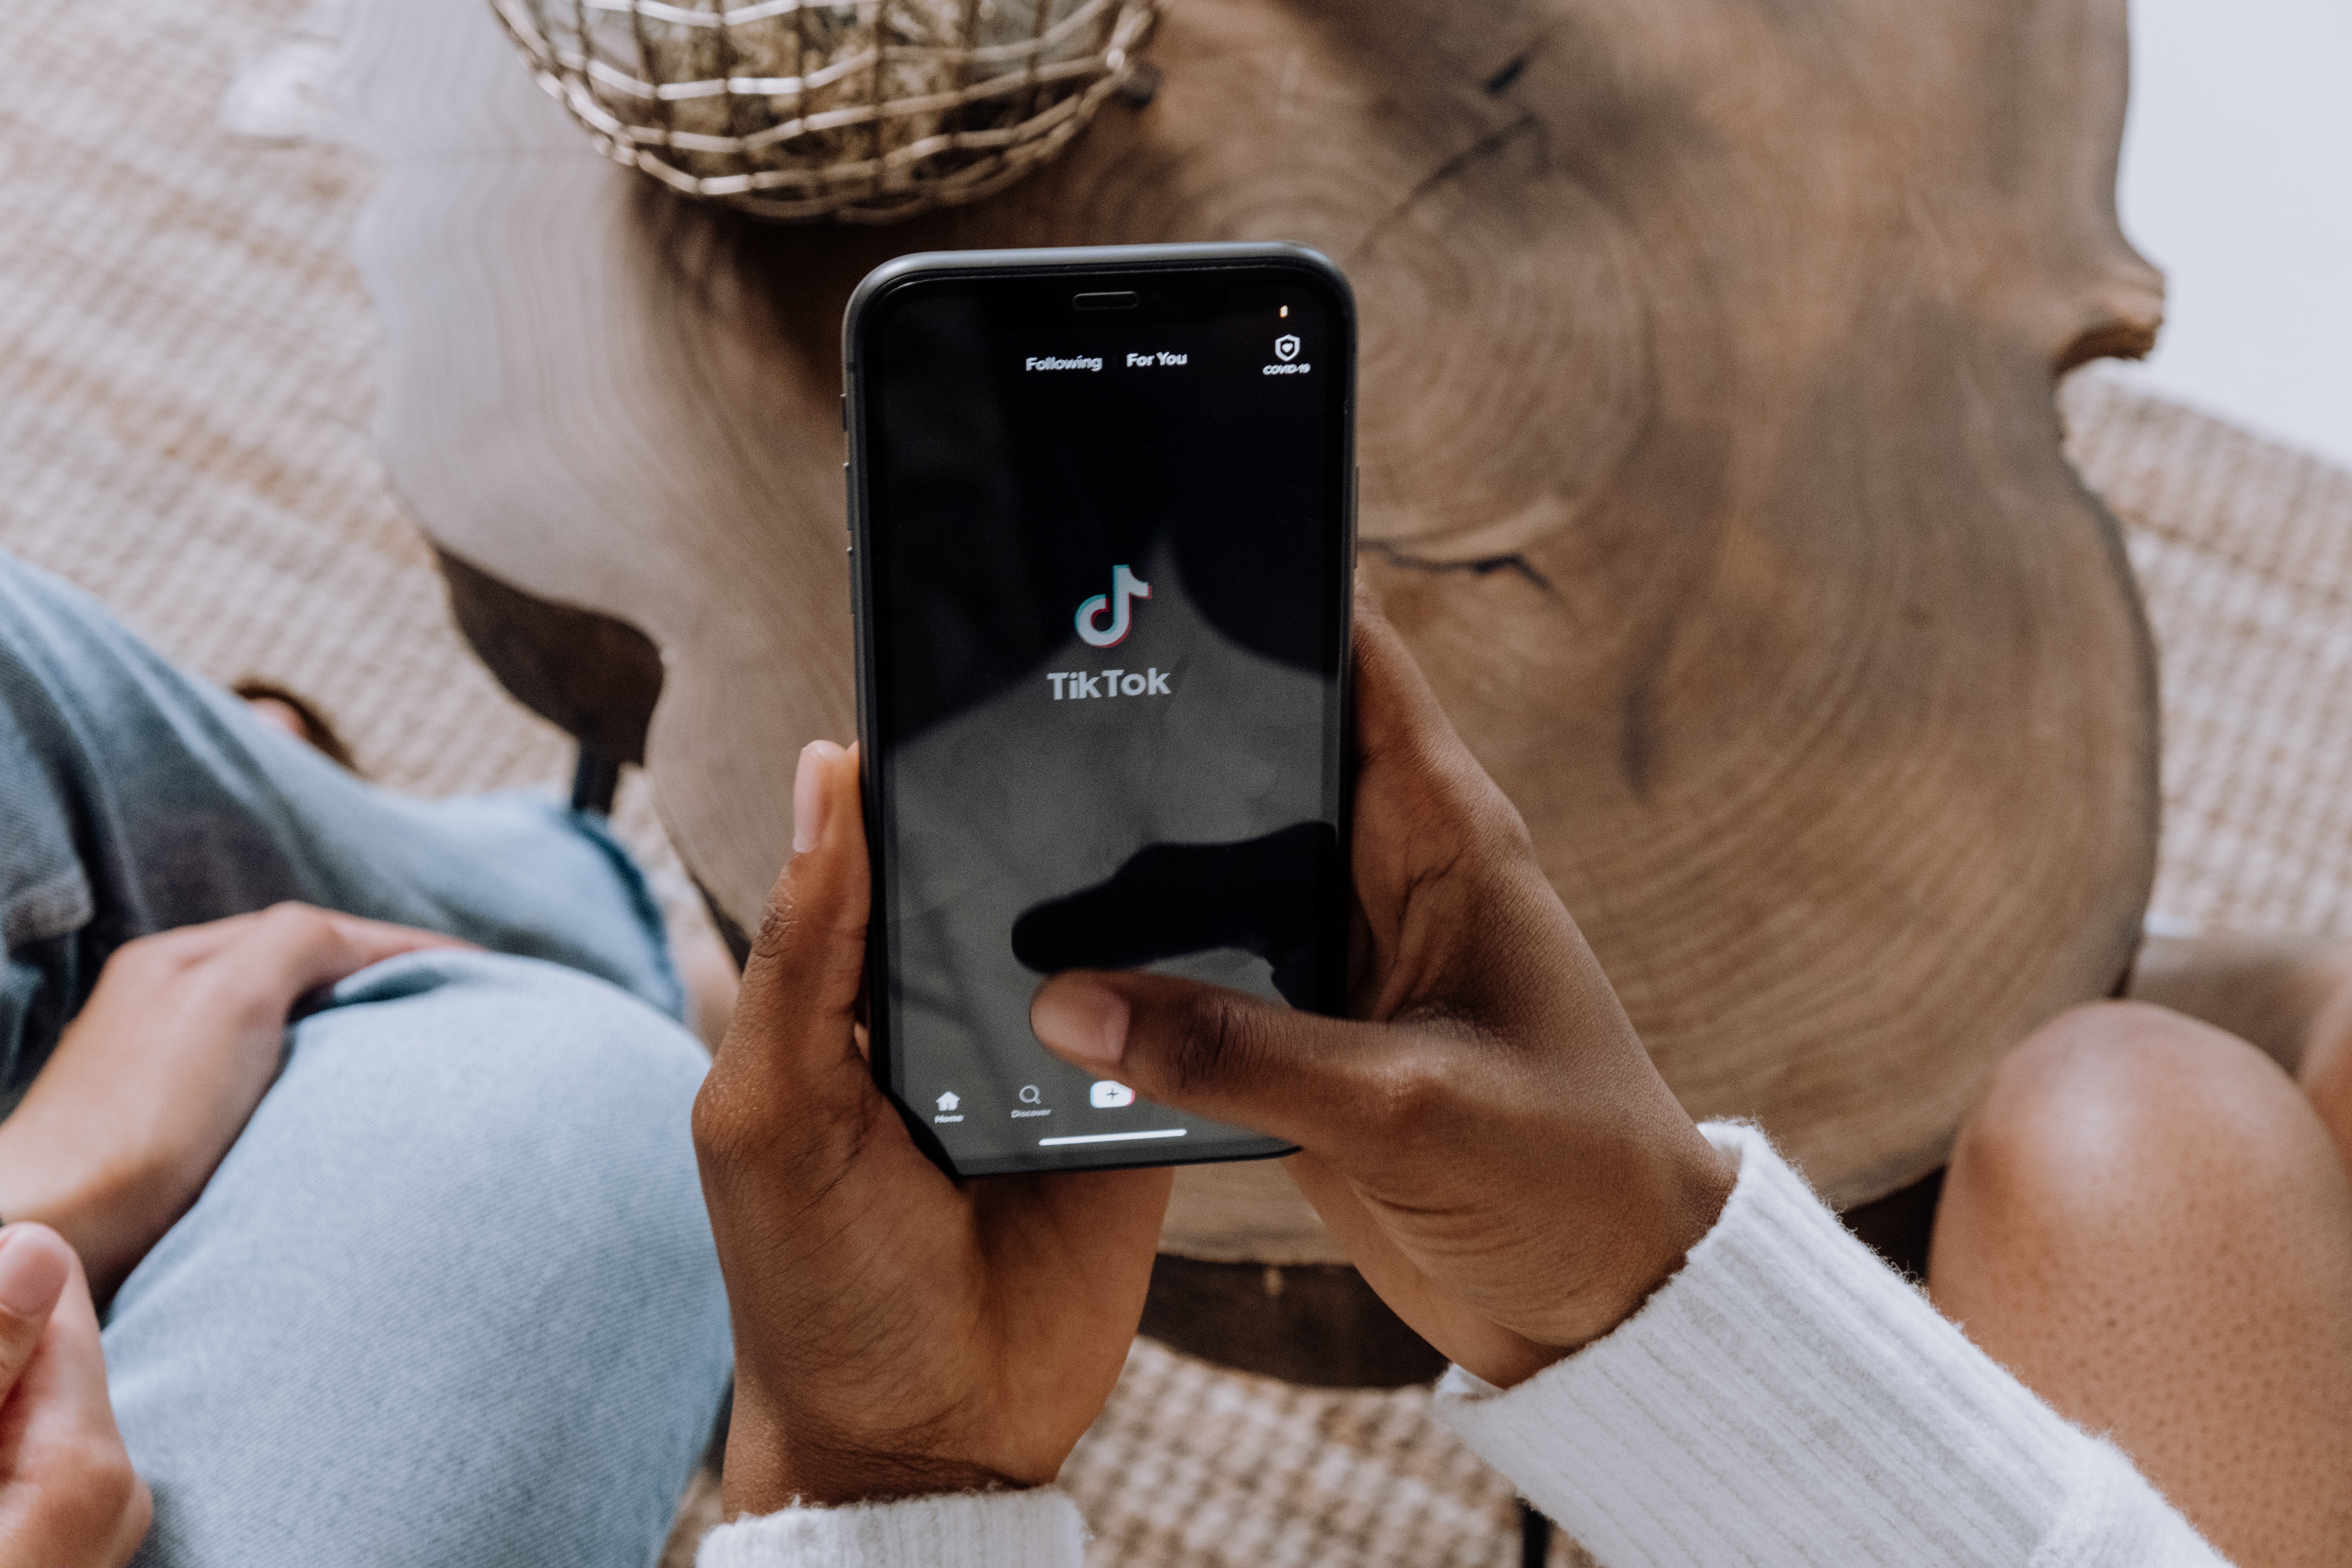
(1112, 1137)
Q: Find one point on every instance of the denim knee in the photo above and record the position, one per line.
(454, 1283)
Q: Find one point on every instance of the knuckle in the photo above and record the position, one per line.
(775, 932)
(93, 1487)
(734, 1131)
(752, 1157)
(1216, 1040)
(290, 921)
(138, 959)
(115, 1483)
(20, 1336)
(237, 993)
(138, 1515)
(789, 930)
(810, 952)
(1413, 1092)
(1496, 825)
(719, 1126)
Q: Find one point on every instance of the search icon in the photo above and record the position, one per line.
(1029, 1095)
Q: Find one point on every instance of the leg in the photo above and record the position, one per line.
(2289, 995)
(452, 1297)
(2279, 993)
(136, 798)
(2325, 1068)
(2149, 1224)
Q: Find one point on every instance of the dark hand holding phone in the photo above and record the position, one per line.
(1491, 1141)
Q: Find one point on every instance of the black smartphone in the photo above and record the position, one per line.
(1101, 514)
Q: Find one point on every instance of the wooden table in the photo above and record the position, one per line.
(1710, 466)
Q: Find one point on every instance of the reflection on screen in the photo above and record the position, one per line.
(1103, 557)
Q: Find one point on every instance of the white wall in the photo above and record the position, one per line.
(2237, 181)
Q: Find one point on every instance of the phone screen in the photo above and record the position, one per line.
(1105, 542)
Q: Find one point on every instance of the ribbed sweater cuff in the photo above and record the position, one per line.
(1785, 1397)
(1039, 1529)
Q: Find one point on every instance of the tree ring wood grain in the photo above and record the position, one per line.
(1711, 469)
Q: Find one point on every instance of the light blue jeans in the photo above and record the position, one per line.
(451, 1298)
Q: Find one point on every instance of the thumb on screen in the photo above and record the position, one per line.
(1313, 1080)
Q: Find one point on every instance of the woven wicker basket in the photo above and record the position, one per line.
(869, 110)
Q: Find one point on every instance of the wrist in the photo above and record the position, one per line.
(1683, 1193)
(80, 1198)
(767, 1470)
(34, 1187)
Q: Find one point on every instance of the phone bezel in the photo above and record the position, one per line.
(1100, 269)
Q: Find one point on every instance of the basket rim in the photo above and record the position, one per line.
(883, 187)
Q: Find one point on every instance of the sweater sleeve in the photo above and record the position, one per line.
(1038, 1529)
(1787, 1398)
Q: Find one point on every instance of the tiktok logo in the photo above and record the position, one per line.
(1074, 685)
(1125, 587)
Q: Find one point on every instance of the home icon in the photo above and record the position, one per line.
(949, 1102)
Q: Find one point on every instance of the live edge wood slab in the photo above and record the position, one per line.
(1709, 464)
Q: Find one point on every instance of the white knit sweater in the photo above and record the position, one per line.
(1786, 1398)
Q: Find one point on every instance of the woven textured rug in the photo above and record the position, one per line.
(185, 380)
(2245, 554)
(185, 391)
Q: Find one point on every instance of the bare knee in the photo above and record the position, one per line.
(2147, 1222)
(2114, 1134)
(2111, 1092)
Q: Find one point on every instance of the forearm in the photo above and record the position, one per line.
(1788, 1398)
(35, 1183)
(1785, 1398)
(47, 1175)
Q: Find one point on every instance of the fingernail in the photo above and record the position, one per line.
(809, 802)
(31, 1277)
(1083, 1019)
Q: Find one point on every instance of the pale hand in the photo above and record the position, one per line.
(159, 1072)
(67, 1493)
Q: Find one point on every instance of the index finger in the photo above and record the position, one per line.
(184, 945)
(288, 949)
(1409, 756)
(1397, 711)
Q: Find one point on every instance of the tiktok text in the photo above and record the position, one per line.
(1074, 683)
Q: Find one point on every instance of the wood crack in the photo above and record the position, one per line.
(1487, 146)
(1477, 566)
